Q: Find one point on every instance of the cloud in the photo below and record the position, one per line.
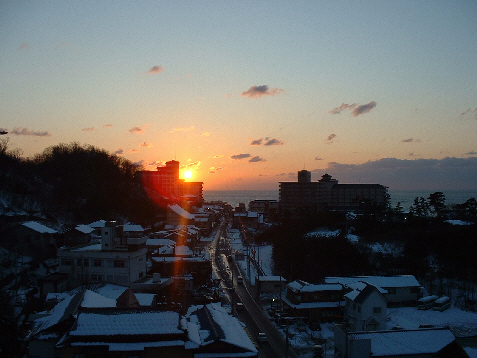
(274, 141)
(88, 129)
(217, 156)
(192, 164)
(136, 130)
(473, 112)
(146, 145)
(29, 132)
(23, 46)
(471, 153)
(119, 152)
(213, 170)
(135, 151)
(155, 70)
(410, 140)
(409, 174)
(364, 108)
(318, 158)
(356, 109)
(268, 141)
(256, 159)
(205, 134)
(330, 138)
(412, 154)
(240, 156)
(107, 125)
(341, 108)
(182, 129)
(260, 91)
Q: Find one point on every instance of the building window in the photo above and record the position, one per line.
(376, 310)
(96, 277)
(97, 262)
(119, 263)
(66, 262)
(414, 290)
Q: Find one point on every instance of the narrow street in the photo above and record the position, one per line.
(250, 311)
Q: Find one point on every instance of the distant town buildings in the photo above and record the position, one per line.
(328, 194)
(166, 183)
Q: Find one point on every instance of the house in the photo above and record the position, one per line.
(214, 333)
(117, 259)
(31, 238)
(399, 289)
(79, 235)
(365, 309)
(318, 303)
(271, 284)
(425, 343)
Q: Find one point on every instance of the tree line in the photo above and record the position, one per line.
(74, 183)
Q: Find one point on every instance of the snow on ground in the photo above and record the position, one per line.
(461, 323)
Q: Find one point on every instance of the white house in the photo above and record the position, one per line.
(399, 289)
(365, 309)
(118, 259)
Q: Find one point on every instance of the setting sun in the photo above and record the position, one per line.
(187, 174)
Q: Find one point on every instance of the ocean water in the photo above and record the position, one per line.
(404, 197)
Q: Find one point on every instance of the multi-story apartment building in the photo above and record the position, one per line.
(328, 193)
(119, 258)
(165, 181)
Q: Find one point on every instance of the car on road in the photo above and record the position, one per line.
(262, 337)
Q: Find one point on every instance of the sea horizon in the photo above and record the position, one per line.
(404, 197)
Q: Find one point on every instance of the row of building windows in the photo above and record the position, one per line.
(92, 262)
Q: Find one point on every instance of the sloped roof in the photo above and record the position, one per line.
(133, 228)
(359, 296)
(406, 342)
(40, 228)
(130, 323)
(127, 299)
(85, 229)
(181, 212)
(378, 281)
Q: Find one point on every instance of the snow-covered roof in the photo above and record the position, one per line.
(303, 286)
(133, 228)
(378, 281)
(312, 305)
(159, 242)
(133, 323)
(183, 251)
(206, 324)
(272, 279)
(181, 212)
(40, 228)
(85, 229)
(98, 224)
(95, 300)
(402, 342)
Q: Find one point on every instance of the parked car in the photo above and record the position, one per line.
(441, 304)
(262, 337)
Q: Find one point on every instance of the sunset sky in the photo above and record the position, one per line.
(247, 93)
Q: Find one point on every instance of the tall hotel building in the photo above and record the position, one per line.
(165, 181)
(328, 194)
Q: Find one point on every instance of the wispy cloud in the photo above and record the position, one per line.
(29, 132)
(256, 141)
(472, 112)
(274, 141)
(318, 158)
(217, 156)
(192, 164)
(205, 134)
(23, 46)
(364, 108)
(136, 130)
(240, 156)
(182, 129)
(108, 125)
(134, 151)
(119, 152)
(356, 109)
(471, 153)
(410, 140)
(256, 159)
(155, 70)
(213, 170)
(330, 138)
(341, 108)
(260, 91)
(90, 129)
(146, 145)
